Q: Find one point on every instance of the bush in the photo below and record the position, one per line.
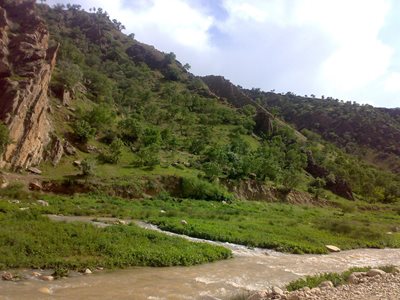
(114, 153)
(203, 190)
(87, 167)
(83, 131)
(4, 137)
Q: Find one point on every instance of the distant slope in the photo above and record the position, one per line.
(373, 133)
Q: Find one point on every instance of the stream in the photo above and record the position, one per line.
(249, 269)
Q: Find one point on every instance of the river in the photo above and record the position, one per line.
(249, 269)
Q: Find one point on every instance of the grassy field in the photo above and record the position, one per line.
(28, 239)
(288, 228)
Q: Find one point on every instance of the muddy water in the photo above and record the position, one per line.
(250, 269)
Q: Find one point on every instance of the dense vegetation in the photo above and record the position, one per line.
(31, 240)
(362, 130)
(284, 227)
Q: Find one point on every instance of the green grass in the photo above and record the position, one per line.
(336, 278)
(287, 228)
(28, 239)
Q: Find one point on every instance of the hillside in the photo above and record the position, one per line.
(96, 124)
(362, 130)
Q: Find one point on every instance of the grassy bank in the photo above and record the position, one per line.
(28, 239)
(288, 228)
(336, 278)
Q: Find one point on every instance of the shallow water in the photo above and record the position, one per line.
(250, 269)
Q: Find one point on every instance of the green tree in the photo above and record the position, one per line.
(83, 130)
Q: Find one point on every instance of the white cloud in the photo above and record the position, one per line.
(392, 82)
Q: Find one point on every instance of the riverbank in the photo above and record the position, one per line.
(372, 285)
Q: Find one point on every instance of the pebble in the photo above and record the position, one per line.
(45, 290)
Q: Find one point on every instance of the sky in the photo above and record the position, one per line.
(345, 49)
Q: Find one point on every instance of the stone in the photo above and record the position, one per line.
(260, 295)
(56, 152)
(88, 271)
(35, 170)
(23, 208)
(326, 284)
(77, 163)
(163, 211)
(14, 201)
(3, 182)
(35, 186)
(47, 278)
(184, 222)
(42, 203)
(353, 279)
(277, 291)
(66, 98)
(91, 149)
(7, 276)
(36, 274)
(69, 149)
(332, 248)
(375, 272)
(293, 297)
(45, 290)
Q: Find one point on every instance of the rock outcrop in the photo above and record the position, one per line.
(26, 64)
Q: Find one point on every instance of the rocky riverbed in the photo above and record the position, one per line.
(372, 285)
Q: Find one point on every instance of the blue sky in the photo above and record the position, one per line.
(346, 49)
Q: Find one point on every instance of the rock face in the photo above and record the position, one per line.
(26, 64)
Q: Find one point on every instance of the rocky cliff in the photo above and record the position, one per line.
(26, 64)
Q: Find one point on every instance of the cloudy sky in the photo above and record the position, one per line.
(347, 49)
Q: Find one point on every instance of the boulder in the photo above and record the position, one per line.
(35, 170)
(326, 284)
(277, 291)
(46, 278)
(7, 276)
(42, 203)
(35, 186)
(77, 163)
(293, 297)
(88, 271)
(260, 295)
(375, 272)
(69, 149)
(56, 152)
(355, 277)
(3, 182)
(332, 248)
(184, 222)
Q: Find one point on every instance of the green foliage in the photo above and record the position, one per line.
(101, 117)
(28, 240)
(87, 167)
(4, 137)
(114, 152)
(83, 130)
(148, 156)
(336, 278)
(199, 189)
(67, 75)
